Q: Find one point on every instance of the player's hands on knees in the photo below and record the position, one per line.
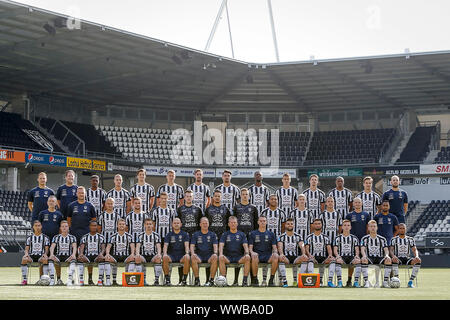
(395, 259)
(281, 257)
(254, 255)
(195, 257)
(356, 260)
(417, 260)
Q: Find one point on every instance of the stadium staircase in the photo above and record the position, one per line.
(419, 145)
(400, 148)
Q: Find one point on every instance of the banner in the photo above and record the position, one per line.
(10, 155)
(81, 163)
(37, 137)
(390, 171)
(435, 169)
(336, 172)
(179, 171)
(46, 159)
(250, 172)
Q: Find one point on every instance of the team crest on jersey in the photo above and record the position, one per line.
(180, 237)
(389, 220)
(237, 237)
(45, 193)
(249, 209)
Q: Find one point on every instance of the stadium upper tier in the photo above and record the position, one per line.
(19, 133)
(443, 155)
(434, 221)
(346, 147)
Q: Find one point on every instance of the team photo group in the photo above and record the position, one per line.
(221, 229)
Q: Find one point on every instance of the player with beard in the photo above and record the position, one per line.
(230, 192)
(259, 193)
(201, 192)
(398, 199)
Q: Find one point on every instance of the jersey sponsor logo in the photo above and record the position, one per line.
(318, 247)
(148, 246)
(290, 246)
(92, 247)
(373, 251)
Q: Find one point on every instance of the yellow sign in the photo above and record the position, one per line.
(81, 163)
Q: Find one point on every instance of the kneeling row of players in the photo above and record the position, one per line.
(233, 247)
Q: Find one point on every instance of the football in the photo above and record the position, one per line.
(394, 283)
(45, 280)
(221, 281)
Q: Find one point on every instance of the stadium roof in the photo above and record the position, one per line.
(100, 65)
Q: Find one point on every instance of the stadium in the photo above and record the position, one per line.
(84, 98)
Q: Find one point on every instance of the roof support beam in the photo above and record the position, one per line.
(302, 105)
(373, 92)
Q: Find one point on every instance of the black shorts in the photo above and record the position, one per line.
(347, 259)
(405, 261)
(376, 260)
(91, 258)
(291, 259)
(63, 258)
(120, 259)
(320, 260)
(35, 257)
(147, 258)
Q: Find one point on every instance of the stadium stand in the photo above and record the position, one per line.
(346, 147)
(434, 221)
(12, 133)
(418, 145)
(14, 215)
(443, 156)
(293, 147)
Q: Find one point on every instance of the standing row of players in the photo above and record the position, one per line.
(227, 199)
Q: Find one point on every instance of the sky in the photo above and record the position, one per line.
(321, 28)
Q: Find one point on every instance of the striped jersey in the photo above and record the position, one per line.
(230, 195)
(163, 220)
(402, 246)
(97, 198)
(342, 200)
(174, 194)
(346, 245)
(287, 198)
(148, 243)
(370, 201)
(135, 223)
(92, 244)
(318, 245)
(145, 193)
(331, 221)
(120, 244)
(291, 244)
(374, 246)
(121, 198)
(275, 218)
(313, 201)
(37, 244)
(63, 244)
(259, 197)
(201, 193)
(108, 222)
(302, 221)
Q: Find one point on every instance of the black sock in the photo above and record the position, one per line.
(180, 273)
(184, 276)
(90, 276)
(236, 274)
(271, 278)
(197, 279)
(245, 279)
(208, 273)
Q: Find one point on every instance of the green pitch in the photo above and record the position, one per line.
(432, 284)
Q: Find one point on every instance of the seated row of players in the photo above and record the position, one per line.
(260, 246)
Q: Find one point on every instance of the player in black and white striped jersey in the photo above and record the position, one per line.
(276, 217)
(65, 245)
(122, 199)
(174, 192)
(107, 222)
(287, 195)
(291, 250)
(315, 198)
(163, 216)
(371, 201)
(331, 220)
(201, 192)
(120, 248)
(135, 219)
(301, 217)
(36, 250)
(346, 250)
(374, 250)
(259, 193)
(400, 249)
(143, 191)
(231, 194)
(148, 250)
(318, 250)
(343, 198)
(92, 250)
(96, 195)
